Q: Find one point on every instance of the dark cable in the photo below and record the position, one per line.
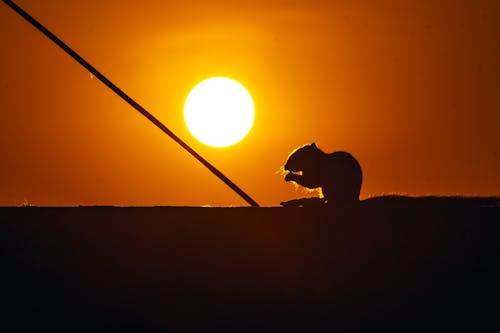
(130, 101)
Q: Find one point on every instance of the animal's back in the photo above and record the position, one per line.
(343, 177)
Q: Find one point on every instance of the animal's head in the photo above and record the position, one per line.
(302, 158)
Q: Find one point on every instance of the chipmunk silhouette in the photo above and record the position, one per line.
(338, 174)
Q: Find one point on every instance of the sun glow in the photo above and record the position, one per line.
(219, 112)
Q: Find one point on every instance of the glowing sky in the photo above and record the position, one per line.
(411, 88)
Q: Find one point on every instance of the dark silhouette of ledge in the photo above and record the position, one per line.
(397, 264)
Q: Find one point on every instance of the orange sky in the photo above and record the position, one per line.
(411, 88)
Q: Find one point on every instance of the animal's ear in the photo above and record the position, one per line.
(313, 145)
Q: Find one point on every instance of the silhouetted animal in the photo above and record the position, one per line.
(338, 174)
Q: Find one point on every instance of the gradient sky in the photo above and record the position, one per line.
(411, 88)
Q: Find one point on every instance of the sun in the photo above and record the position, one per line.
(219, 112)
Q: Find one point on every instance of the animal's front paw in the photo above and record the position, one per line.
(289, 177)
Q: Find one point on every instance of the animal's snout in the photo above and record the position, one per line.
(290, 167)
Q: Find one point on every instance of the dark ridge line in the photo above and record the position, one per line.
(377, 201)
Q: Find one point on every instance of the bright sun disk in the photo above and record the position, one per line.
(219, 112)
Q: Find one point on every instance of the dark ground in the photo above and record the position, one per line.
(390, 264)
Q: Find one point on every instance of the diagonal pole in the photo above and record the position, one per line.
(130, 101)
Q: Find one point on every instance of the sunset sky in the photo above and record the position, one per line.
(410, 88)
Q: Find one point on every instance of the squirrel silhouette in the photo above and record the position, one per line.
(338, 174)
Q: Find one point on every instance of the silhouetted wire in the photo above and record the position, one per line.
(130, 101)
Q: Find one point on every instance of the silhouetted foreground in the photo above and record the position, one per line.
(394, 265)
